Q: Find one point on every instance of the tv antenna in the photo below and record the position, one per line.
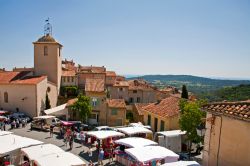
(47, 28)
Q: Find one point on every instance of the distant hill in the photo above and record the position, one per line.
(197, 85)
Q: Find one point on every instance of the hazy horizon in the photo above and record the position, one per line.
(200, 38)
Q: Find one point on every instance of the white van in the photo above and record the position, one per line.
(44, 122)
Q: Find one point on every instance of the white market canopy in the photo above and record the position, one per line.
(13, 142)
(134, 130)
(2, 133)
(103, 134)
(172, 133)
(35, 152)
(182, 163)
(150, 153)
(44, 117)
(59, 110)
(60, 159)
(133, 142)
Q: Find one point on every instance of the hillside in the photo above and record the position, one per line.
(198, 85)
(238, 93)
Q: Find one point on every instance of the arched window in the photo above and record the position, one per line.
(6, 98)
(45, 50)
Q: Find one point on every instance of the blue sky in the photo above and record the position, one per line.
(205, 38)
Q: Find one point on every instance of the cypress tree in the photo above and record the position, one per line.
(184, 93)
(47, 102)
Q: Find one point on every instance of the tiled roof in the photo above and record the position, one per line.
(239, 110)
(110, 73)
(165, 108)
(19, 78)
(139, 85)
(68, 73)
(94, 85)
(121, 83)
(92, 69)
(46, 38)
(116, 103)
(139, 107)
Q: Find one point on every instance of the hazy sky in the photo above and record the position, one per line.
(198, 37)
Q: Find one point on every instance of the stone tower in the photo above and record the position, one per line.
(47, 57)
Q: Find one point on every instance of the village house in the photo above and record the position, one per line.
(116, 112)
(161, 116)
(227, 134)
(69, 76)
(95, 89)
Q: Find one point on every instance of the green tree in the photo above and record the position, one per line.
(184, 93)
(47, 102)
(191, 118)
(83, 107)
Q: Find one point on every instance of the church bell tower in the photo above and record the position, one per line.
(47, 56)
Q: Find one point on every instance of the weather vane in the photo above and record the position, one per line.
(47, 28)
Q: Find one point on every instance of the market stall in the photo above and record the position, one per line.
(132, 142)
(10, 146)
(171, 139)
(59, 159)
(136, 131)
(32, 153)
(148, 154)
(3, 133)
(182, 163)
(104, 139)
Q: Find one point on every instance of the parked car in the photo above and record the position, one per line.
(20, 116)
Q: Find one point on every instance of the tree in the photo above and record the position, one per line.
(184, 93)
(47, 102)
(191, 118)
(82, 106)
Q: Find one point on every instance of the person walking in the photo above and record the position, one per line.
(4, 126)
(51, 131)
(111, 152)
(71, 141)
(100, 157)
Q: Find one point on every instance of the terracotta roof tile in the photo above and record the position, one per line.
(239, 110)
(139, 85)
(92, 69)
(19, 78)
(121, 83)
(68, 73)
(110, 73)
(165, 108)
(94, 85)
(116, 103)
(139, 107)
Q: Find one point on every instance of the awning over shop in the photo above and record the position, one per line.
(58, 111)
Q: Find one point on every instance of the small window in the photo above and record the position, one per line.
(131, 100)
(149, 120)
(120, 89)
(114, 112)
(162, 125)
(6, 97)
(72, 79)
(94, 102)
(134, 91)
(45, 51)
(138, 99)
(68, 79)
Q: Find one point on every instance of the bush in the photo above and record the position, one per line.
(70, 91)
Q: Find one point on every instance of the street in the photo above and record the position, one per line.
(78, 149)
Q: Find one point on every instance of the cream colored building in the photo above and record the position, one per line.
(115, 112)
(24, 89)
(227, 137)
(161, 116)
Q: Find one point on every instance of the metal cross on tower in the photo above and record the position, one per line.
(47, 28)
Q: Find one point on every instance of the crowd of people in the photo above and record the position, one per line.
(14, 123)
